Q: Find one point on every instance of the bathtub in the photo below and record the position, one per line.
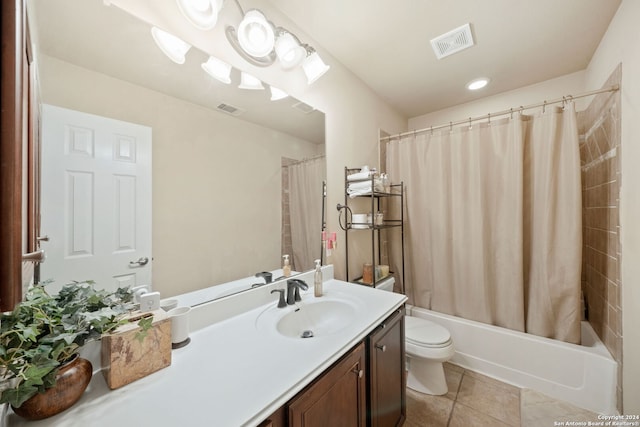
(584, 375)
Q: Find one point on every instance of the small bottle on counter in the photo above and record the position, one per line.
(317, 280)
(286, 267)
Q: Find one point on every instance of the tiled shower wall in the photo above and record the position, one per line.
(286, 245)
(599, 128)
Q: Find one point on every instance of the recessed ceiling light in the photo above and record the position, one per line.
(478, 83)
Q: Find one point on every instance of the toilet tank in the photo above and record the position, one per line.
(386, 284)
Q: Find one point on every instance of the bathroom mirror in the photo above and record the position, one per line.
(217, 174)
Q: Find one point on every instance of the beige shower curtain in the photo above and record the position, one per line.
(493, 218)
(305, 209)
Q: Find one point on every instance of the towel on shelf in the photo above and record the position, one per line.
(358, 175)
(363, 188)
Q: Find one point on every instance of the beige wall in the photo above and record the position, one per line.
(216, 179)
(621, 44)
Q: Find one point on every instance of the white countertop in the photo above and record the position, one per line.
(231, 374)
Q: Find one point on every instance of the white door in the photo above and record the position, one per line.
(96, 200)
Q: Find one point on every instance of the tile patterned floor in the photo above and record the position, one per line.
(475, 400)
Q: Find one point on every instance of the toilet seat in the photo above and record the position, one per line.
(424, 333)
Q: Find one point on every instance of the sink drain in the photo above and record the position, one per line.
(307, 334)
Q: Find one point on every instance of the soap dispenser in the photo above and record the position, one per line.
(317, 280)
(286, 267)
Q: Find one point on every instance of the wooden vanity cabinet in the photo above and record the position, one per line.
(386, 389)
(337, 398)
(366, 387)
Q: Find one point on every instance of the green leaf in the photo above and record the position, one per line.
(17, 396)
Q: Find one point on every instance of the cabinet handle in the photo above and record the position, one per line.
(381, 347)
(358, 372)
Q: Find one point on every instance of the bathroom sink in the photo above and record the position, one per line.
(309, 318)
(316, 319)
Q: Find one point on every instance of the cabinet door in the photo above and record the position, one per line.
(337, 398)
(387, 392)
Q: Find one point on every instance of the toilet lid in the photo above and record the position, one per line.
(426, 333)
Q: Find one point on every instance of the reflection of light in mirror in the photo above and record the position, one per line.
(255, 34)
(218, 69)
(247, 81)
(202, 14)
(277, 94)
(172, 46)
(314, 67)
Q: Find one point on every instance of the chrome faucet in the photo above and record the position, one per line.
(293, 290)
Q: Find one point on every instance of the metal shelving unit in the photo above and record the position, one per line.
(394, 193)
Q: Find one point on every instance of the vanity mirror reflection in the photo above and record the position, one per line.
(220, 181)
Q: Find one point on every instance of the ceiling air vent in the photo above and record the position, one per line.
(305, 108)
(453, 41)
(230, 109)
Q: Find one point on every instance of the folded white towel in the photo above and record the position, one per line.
(360, 185)
(358, 175)
(362, 188)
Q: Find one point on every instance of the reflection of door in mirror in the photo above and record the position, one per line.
(96, 199)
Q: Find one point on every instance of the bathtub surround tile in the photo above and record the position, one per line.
(600, 154)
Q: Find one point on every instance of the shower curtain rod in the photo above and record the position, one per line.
(304, 160)
(489, 116)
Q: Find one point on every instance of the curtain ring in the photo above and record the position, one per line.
(511, 113)
(521, 110)
(489, 119)
(431, 130)
(563, 101)
(544, 106)
(450, 126)
(470, 126)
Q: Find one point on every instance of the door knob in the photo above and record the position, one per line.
(37, 256)
(139, 263)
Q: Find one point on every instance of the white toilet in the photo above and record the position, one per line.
(428, 345)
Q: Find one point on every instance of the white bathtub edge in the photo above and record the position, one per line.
(597, 392)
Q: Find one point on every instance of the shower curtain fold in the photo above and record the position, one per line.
(493, 222)
(305, 201)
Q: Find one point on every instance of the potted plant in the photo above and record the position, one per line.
(42, 337)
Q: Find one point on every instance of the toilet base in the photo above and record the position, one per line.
(426, 376)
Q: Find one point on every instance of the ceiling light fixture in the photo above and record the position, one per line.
(288, 49)
(218, 69)
(248, 81)
(478, 83)
(277, 94)
(256, 35)
(202, 14)
(172, 46)
(313, 66)
(260, 43)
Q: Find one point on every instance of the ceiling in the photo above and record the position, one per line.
(517, 43)
(384, 43)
